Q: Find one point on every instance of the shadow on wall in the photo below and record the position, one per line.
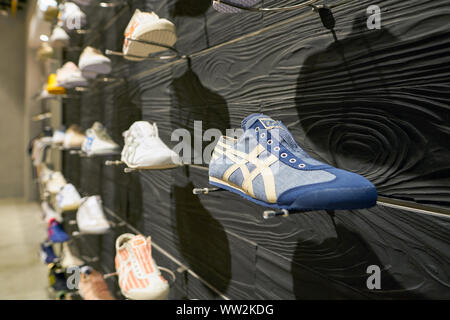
(340, 129)
(202, 239)
(192, 101)
(342, 256)
(193, 8)
(361, 109)
(190, 8)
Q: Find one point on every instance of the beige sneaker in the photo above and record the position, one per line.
(147, 26)
(56, 183)
(74, 138)
(93, 286)
(45, 51)
(51, 13)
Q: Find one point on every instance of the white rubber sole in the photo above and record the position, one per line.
(143, 167)
(140, 294)
(95, 65)
(162, 32)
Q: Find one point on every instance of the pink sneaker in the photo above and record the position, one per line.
(139, 276)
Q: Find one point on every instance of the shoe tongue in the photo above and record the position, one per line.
(94, 205)
(97, 126)
(144, 129)
(277, 130)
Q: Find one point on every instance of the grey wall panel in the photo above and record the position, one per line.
(278, 278)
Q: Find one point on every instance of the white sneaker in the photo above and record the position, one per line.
(44, 174)
(90, 216)
(69, 76)
(98, 141)
(92, 63)
(72, 18)
(59, 38)
(58, 137)
(68, 259)
(147, 26)
(67, 199)
(56, 183)
(39, 150)
(49, 213)
(45, 4)
(145, 150)
(139, 275)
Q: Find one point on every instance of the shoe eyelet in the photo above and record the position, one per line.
(292, 160)
(257, 129)
(276, 149)
(301, 165)
(269, 142)
(284, 155)
(263, 135)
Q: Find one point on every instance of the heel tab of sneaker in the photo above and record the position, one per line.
(123, 239)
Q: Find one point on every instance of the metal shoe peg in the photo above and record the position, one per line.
(117, 225)
(75, 152)
(129, 170)
(171, 274)
(109, 275)
(272, 213)
(42, 116)
(83, 31)
(112, 4)
(86, 155)
(120, 54)
(81, 89)
(91, 259)
(110, 163)
(105, 79)
(182, 269)
(205, 190)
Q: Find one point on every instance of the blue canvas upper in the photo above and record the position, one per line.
(266, 166)
(56, 233)
(47, 254)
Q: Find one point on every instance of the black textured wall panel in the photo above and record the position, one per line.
(370, 101)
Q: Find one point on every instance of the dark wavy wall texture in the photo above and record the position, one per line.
(371, 101)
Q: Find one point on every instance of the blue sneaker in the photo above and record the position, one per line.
(56, 233)
(47, 254)
(266, 166)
